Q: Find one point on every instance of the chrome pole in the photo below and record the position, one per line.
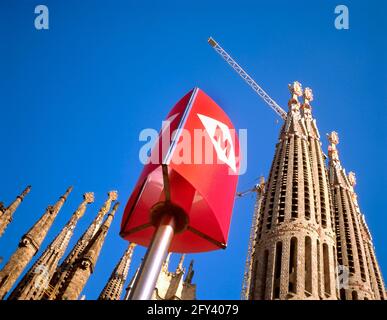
(154, 258)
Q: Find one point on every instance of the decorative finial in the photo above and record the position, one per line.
(296, 90)
(180, 265)
(308, 95)
(306, 107)
(89, 197)
(333, 138)
(352, 178)
(113, 195)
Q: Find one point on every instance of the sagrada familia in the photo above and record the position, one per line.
(310, 239)
(49, 278)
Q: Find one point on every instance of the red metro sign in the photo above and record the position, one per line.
(198, 151)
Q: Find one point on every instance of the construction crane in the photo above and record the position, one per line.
(259, 189)
(250, 81)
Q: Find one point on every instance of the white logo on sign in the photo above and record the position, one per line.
(220, 136)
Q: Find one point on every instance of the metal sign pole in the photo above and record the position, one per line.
(154, 258)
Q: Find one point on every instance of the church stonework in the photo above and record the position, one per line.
(355, 252)
(29, 246)
(64, 272)
(6, 214)
(115, 285)
(309, 226)
(309, 238)
(36, 280)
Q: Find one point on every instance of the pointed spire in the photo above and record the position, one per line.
(28, 288)
(91, 253)
(293, 124)
(180, 265)
(94, 226)
(83, 267)
(38, 232)
(115, 284)
(64, 270)
(166, 262)
(190, 273)
(29, 246)
(128, 289)
(6, 214)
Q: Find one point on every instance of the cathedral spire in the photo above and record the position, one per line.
(190, 273)
(179, 267)
(355, 251)
(6, 214)
(165, 265)
(29, 246)
(171, 284)
(114, 286)
(306, 112)
(129, 287)
(293, 125)
(36, 280)
(333, 153)
(64, 270)
(294, 245)
(85, 264)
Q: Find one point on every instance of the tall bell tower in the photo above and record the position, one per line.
(295, 244)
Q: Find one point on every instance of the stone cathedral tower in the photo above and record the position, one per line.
(295, 244)
(115, 285)
(61, 276)
(85, 264)
(172, 285)
(6, 214)
(36, 280)
(355, 251)
(29, 246)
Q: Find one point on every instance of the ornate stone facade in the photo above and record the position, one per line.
(29, 246)
(36, 280)
(171, 285)
(295, 243)
(115, 285)
(309, 222)
(355, 251)
(63, 271)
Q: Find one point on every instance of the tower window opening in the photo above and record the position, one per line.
(293, 266)
(277, 270)
(327, 280)
(308, 266)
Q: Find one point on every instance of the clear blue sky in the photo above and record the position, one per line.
(75, 97)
